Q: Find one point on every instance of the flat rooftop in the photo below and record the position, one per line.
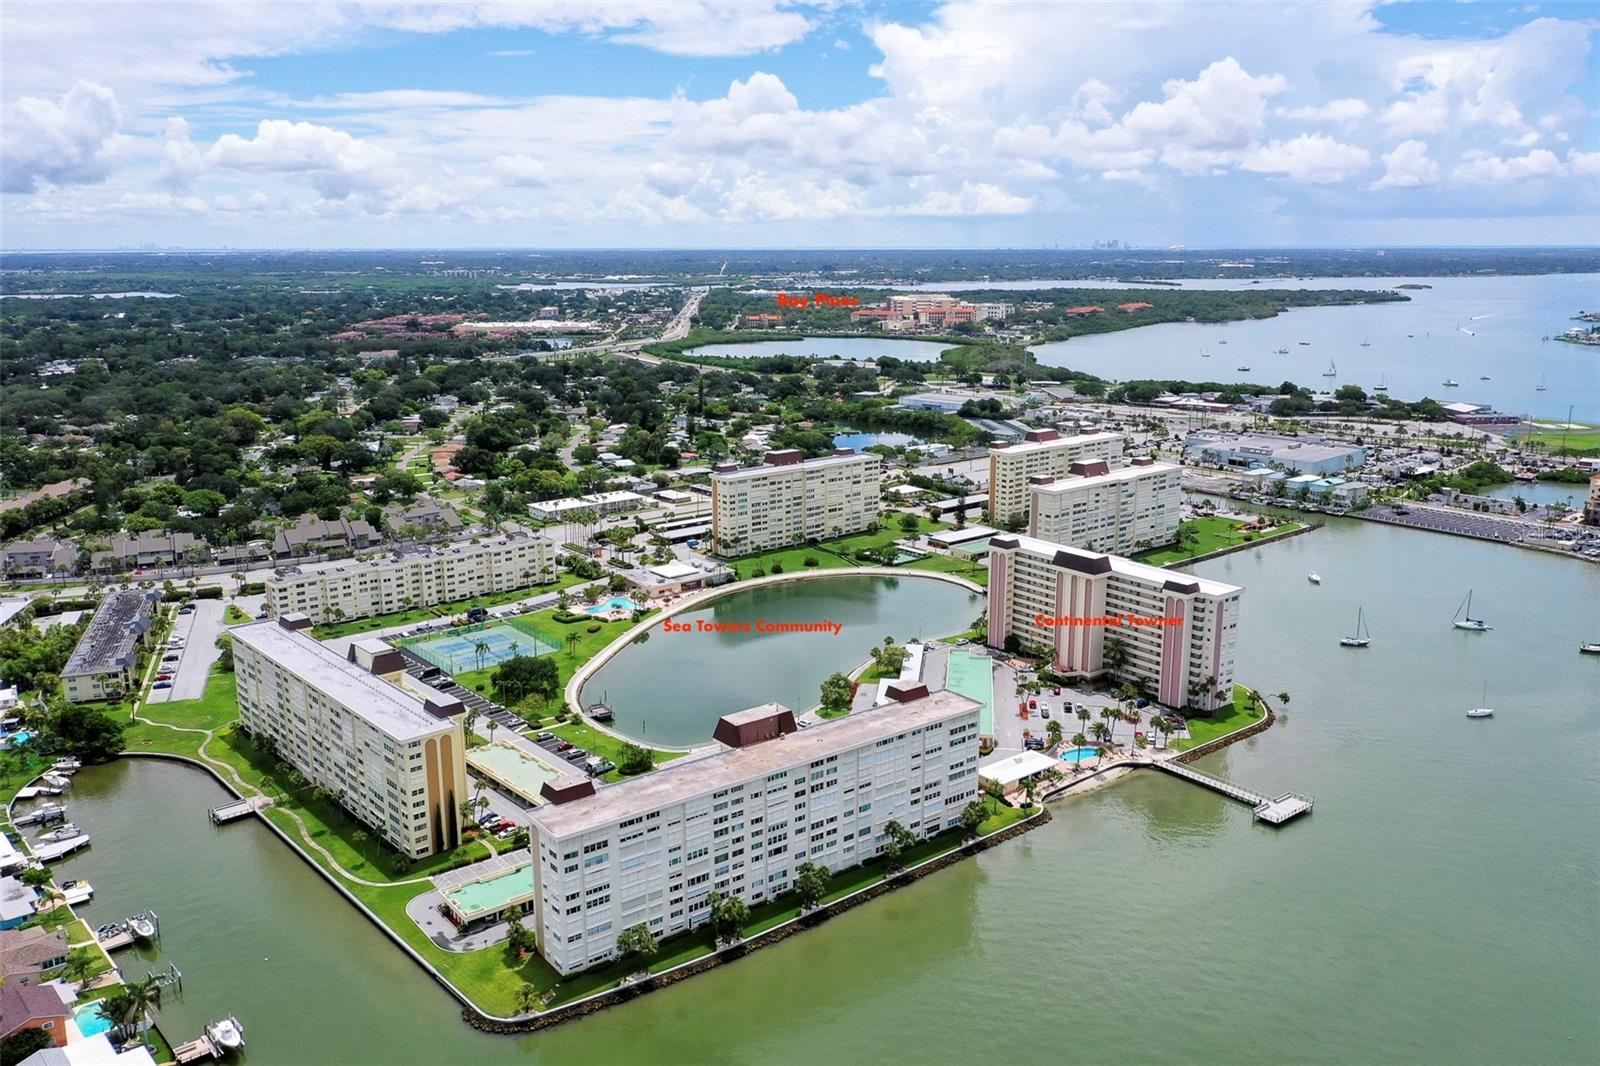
(809, 464)
(684, 779)
(1027, 446)
(445, 551)
(108, 644)
(1153, 575)
(1283, 449)
(1122, 473)
(392, 710)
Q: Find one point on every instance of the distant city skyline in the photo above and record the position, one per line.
(705, 124)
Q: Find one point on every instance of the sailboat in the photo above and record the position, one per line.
(1464, 619)
(1282, 351)
(1382, 386)
(1480, 711)
(1244, 368)
(1451, 383)
(1204, 354)
(1483, 377)
(1332, 371)
(1541, 387)
(1366, 344)
(1361, 638)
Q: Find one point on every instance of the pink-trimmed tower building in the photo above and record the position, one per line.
(1180, 632)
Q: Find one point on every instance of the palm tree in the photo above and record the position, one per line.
(1115, 654)
(1100, 754)
(1132, 718)
(480, 649)
(1084, 715)
(1054, 731)
(1283, 698)
(1107, 716)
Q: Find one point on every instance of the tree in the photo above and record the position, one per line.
(22, 1043)
(80, 961)
(35, 877)
(811, 884)
(637, 943)
(634, 758)
(87, 733)
(972, 816)
(1054, 730)
(1115, 654)
(1084, 715)
(519, 938)
(524, 675)
(836, 693)
(909, 523)
(1283, 697)
(527, 997)
(729, 914)
(897, 838)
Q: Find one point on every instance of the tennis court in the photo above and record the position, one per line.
(973, 677)
(479, 647)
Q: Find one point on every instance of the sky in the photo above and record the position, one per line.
(785, 123)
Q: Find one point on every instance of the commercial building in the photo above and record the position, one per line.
(1120, 511)
(1478, 414)
(741, 821)
(1591, 510)
(1303, 455)
(790, 499)
(1178, 632)
(403, 581)
(1041, 453)
(105, 663)
(601, 503)
(390, 747)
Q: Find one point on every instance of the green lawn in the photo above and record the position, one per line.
(568, 659)
(974, 572)
(233, 616)
(1582, 441)
(217, 707)
(1222, 721)
(1212, 533)
(830, 554)
(329, 630)
(604, 745)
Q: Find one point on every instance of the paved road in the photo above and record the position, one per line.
(199, 632)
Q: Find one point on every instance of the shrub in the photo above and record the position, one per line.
(811, 560)
(777, 568)
(758, 572)
(252, 588)
(209, 592)
(593, 627)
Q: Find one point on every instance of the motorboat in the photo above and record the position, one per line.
(1282, 351)
(1480, 711)
(1305, 344)
(62, 832)
(66, 765)
(1451, 383)
(55, 780)
(77, 893)
(227, 1033)
(142, 926)
(1589, 647)
(1361, 638)
(1314, 577)
(1484, 377)
(1366, 344)
(1243, 368)
(1464, 620)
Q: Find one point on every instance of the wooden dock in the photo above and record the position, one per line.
(1272, 810)
(202, 1047)
(228, 812)
(116, 940)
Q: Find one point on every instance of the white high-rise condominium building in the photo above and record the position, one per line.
(358, 589)
(741, 821)
(1042, 453)
(1178, 632)
(388, 746)
(791, 499)
(1119, 511)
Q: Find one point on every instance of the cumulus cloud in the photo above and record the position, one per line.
(1481, 168)
(1583, 164)
(518, 170)
(1407, 167)
(61, 142)
(337, 163)
(973, 198)
(1345, 111)
(1310, 157)
(1221, 108)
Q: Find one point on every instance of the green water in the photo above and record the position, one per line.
(674, 687)
(1439, 906)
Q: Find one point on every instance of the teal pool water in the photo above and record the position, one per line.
(1076, 754)
(615, 603)
(90, 1021)
(486, 897)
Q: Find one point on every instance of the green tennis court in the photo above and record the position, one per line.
(973, 677)
(480, 647)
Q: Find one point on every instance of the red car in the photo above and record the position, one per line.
(163, 677)
(1032, 704)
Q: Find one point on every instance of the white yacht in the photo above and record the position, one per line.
(62, 832)
(1314, 577)
(1451, 383)
(1589, 647)
(142, 926)
(1464, 619)
(1361, 638)
(227, 1034)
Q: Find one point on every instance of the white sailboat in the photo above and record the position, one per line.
(1541, 387)
(1361, 638)
(1366, 344)
(1451, 383)
(1481, 711)
(1464, 619)
(1332, 371)
(1282, 351)
(1383, 385)
(1244, 368)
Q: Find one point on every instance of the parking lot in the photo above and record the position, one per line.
(196, 633)
(1464, 523)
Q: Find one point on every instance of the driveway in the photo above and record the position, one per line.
(199, 631)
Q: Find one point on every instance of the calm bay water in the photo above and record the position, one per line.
(1416, 345)
(860, 348)
(674, 687)
(1439, 906)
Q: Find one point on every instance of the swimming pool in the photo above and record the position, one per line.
(494, 894)
(1076, 754)
(615, 603)
(90, 1021)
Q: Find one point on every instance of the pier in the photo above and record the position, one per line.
(228, 812)
(1272, 810)
(199, 1048)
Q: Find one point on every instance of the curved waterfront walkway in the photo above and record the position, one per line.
(700, 599)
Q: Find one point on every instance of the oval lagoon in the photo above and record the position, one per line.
(859, 439)
(859, 348)
(672, 688)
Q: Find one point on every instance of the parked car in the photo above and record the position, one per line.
(477, 614)
(162, 684)
(1056, 691)
(488, 818)
(187, 608)
(1044, 712)
(542, 736)
(1141, 703)
(575, 755)
(163, 677)
(1034, 744)
(563, 745)
(1033, 705)
(170, 659)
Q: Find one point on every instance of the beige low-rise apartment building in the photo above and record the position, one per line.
(1178, 633)
(329, 592)
(105, 663)
(389, 747)
(743, 820)
(1041, 453)
(1119, 511)
(790, 499)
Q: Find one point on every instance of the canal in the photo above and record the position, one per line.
(1437, 907)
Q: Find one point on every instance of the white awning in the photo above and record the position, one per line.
(1010, 769)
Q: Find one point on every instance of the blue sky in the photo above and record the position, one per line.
(710, 123)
